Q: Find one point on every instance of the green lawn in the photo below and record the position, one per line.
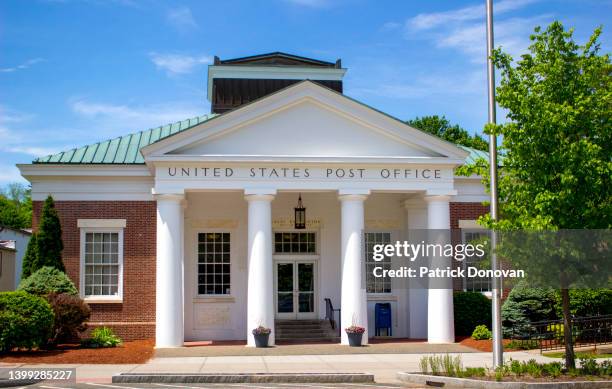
(581, 354)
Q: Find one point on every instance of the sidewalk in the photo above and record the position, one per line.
(383, 366)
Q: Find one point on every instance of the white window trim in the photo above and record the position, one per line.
(101, 299)
(472, 227)
(375, 295)
(214, 297)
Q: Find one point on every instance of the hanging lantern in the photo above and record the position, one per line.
(300, 215)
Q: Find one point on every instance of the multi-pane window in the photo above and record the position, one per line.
(214, 263)
(295, 243)
(102, 264)
(475, 284)
(376, 284)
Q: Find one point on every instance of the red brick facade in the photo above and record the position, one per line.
(135, 317)
(466, 211)
(463, 211)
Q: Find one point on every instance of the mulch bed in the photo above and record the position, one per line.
(138, 351)
(482, 345)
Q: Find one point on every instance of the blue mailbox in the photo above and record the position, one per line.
(382, 316)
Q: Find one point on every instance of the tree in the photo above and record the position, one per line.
(557, 145)
(49, 239)
(30, 258)
(16, 206)
(442, 128)
(526, 305)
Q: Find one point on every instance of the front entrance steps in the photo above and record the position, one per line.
(305, 331)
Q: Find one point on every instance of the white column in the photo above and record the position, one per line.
(260, 304)
(440, 318)
(169, 328)
(416, 227)
(354, 304)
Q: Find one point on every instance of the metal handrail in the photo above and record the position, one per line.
(330, 315)
(549, 334)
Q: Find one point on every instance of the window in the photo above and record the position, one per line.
(475, 284)
(214, 263)
(102, 263)
(295, 243)
(376, 284)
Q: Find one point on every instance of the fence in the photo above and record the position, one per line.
(549, 334)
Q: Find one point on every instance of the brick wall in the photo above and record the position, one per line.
(135, 317)
(463, 211)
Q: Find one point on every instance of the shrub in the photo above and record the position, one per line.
(26, 320)
(30, 258)
(474, 372)
(523, 344)
(102, 337)
(48, 280)
(49, 238)
(70, 313)
(481, 332)
(589, 366)
(471, 309)
(587, 302)
(524, 306)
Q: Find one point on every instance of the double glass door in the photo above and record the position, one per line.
(295, 289)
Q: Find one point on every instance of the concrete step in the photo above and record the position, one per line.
(330, 339)
(305, 331)
(304, 335)
(294, 323)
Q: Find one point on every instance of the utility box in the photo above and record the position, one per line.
(382, 315)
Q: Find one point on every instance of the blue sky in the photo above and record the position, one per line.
(74, 72)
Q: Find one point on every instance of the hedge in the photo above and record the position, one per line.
(26, 321)
(471, 310)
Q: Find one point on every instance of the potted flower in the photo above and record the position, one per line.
(261, 335)
(355, 333)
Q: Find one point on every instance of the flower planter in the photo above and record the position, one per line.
(355, 339)
(261, 340)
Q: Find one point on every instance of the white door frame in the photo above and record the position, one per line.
(296, 315)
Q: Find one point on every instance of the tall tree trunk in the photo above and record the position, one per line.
(570, 358)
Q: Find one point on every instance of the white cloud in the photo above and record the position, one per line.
(21, 66)
(469, 83)
(511, 34)
(182, 19)
(177, 63)
(10, 173)
(34, 151)
(427, 21)
(15, 139)
(463, 29)
(124, 118)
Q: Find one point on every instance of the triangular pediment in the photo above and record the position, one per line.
(305, 120)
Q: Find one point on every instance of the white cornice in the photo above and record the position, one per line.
(58, 170)
(293, 159)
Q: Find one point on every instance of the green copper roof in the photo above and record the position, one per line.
(124, 149)
(474, 154)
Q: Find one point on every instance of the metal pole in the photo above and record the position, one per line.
(498, 348)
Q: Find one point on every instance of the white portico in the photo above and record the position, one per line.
(228, 258)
